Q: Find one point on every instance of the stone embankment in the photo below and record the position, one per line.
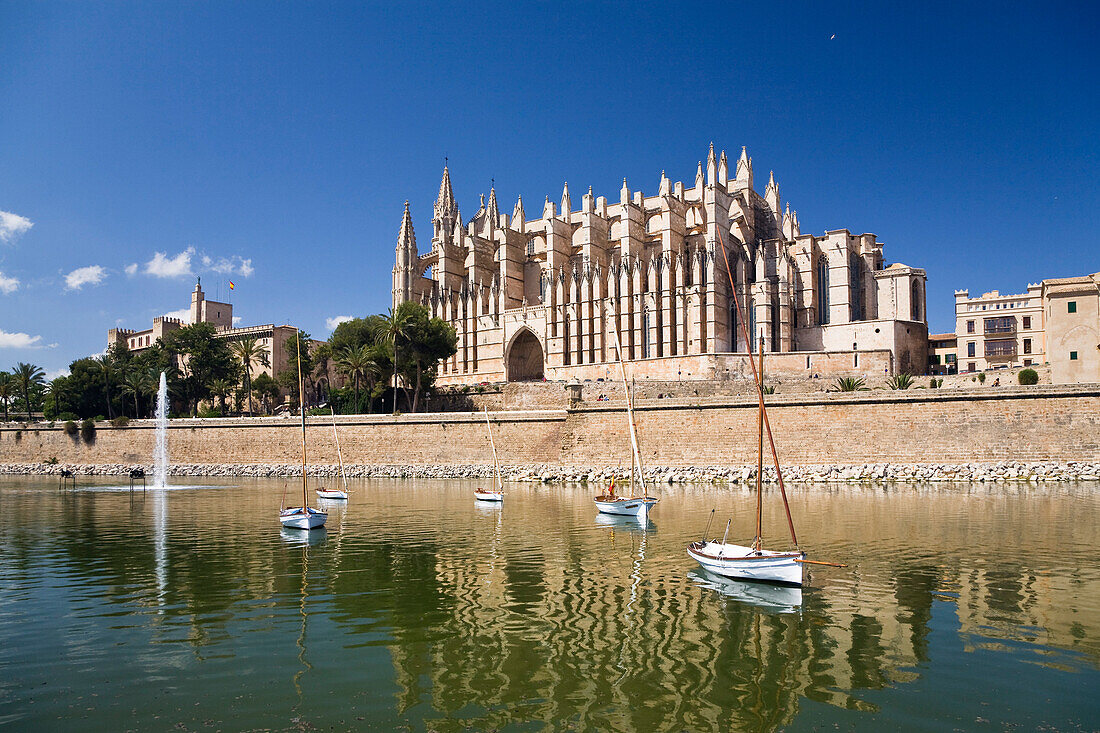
(999, 472)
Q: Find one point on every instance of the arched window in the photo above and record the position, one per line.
(542, 289)
(531, 247)
(773, 309)
(645, 333)
(822, 290)
(855, 280)
(735, 326)
(916, 301)
(754, 338)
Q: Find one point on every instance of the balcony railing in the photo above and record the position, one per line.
(1000, 348)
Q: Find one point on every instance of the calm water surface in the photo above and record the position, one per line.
(965, 608)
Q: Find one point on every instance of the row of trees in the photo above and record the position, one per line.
(402, 348)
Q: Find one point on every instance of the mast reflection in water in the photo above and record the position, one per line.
(963, 605)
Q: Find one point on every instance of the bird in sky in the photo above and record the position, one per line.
(832, 37)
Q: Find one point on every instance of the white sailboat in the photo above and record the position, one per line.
(496, 494)
(633, 505)
(304, 516)
(335, 494)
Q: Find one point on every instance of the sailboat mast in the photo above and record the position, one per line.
(637, 458)
(760, 453)
(493, 445)
(760, 391)
(302, 405)
(339, 457)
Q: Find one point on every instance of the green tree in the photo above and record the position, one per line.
(106, 365)
(249, 352)
(29, 377)
(395, 329)
(267, 389)
(7, 391)
(430, 341)
(361, 363)
(202, 358)
(900, 381)
(220, 388)
(137, 382)
(356, 332)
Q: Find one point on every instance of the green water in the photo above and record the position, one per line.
(964, 608)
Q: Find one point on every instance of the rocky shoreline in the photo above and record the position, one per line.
(996, 472)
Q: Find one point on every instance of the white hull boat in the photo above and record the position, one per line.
(637, 506)
(299, 518)
(332, 494)
(745, 563)
(483, 495)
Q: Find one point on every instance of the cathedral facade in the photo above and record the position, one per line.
(553, 297)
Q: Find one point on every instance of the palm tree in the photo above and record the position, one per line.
(221, 387)
(850, 384)
(27, 376)
(250, 352)
(106, 364)
(7, 391)
(137, 383)
(353, 361)
(900, 381)
(393, 329)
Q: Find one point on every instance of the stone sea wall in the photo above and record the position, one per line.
(1002, 472)
(1029, 426)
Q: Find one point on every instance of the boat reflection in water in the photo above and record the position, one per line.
(302, 539)
(773, 598)
(626, 523)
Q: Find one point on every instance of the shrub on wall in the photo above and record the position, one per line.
(87, 431)
(1029, 376)
(70, 428)
(981, 377)
(120, 422)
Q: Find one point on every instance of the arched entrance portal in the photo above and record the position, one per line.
(525, 358)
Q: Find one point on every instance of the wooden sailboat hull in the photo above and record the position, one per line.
(483, 495)
(299, 518)
(626, 507)
(744, 563)
(332, 494)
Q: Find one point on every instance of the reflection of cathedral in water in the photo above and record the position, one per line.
(549, 631)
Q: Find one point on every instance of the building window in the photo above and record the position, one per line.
(822, 290)
(970, 366)
(1000, 347)
(970, 349)
(970, 326)
(1073, 356)
(530, 248)
(855, 279)
(1027, 362)
(1072, 306)
(645, 334)
(1027, 321)
(1006, 324)
(949, 359)
(916, 301)
(1027, 346)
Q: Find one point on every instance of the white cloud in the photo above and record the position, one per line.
(81, 276)
(332, 323)
(235, 265)
(13, 226)
(164, 266)
(55, 373)
(19, 341)
(183, 314)
(8, 285)
(236, 320)
(131, 269)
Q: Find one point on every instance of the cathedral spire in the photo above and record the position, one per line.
(518, 217)
(493, 211)
(712, 167)
(771, 194)
(723, 169)
(624, 193)
(665, 188)
(699, 175)
(744, 169)
(445, 201)
(566, 204)
(404, 270)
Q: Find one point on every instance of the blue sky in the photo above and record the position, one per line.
(275, 144)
